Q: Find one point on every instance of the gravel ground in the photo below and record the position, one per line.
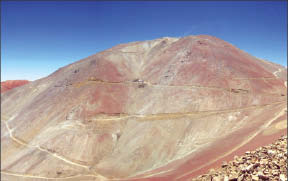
(265, 163)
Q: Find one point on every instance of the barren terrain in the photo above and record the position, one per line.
(164, 109)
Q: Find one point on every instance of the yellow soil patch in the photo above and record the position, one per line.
(274, 128)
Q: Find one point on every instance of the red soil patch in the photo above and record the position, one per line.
(10, 84)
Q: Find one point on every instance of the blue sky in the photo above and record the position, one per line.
(40, 37)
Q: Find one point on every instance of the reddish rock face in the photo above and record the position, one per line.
(10, 84)
(165, 109)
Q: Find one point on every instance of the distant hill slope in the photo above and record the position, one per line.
(10, 84)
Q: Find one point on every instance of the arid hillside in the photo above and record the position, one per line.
(163, 109)
(10, 84)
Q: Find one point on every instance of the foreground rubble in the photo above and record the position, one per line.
(265, 163)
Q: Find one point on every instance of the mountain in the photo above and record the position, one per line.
(10, 84)
(164, 109)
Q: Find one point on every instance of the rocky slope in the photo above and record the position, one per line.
(10, 84)
(265, 163)
(165, 109)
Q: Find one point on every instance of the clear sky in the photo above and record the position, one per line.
(37, 38)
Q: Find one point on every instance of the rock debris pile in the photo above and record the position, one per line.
(265, 163)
